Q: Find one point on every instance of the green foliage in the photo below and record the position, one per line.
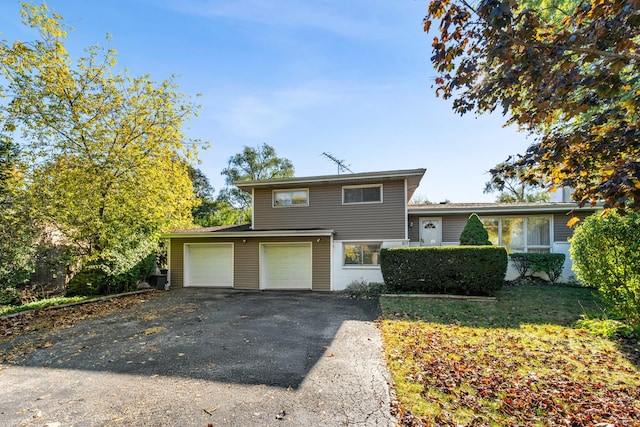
(36, 305)
(605, 250)
(19, 227)
(474, 233)
(608, 328)
(104, 154)
(529, 264)
(8, 295)
(100, 277)
(251, 164)
(476, 270)
(512, 189)
(565, 71)
(361, 289)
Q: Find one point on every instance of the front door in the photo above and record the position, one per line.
(430, 231)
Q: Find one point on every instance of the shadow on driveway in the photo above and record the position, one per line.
(270, 338)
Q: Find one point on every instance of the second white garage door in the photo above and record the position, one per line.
(285, 266)
(209, 265)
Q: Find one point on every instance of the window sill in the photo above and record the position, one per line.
(361, 267)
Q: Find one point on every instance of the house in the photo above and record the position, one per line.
(520, 227)
(323, 232)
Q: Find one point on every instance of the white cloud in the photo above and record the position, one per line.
(263, 114)
(345, 18)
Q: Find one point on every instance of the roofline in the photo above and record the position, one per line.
(330, 178)
(560, 207)
(250, 233)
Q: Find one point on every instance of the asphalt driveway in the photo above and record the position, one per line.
(194, 357)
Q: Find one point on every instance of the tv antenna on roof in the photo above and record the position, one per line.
(341, 166)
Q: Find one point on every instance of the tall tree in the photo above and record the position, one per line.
(18, 224)
(106, 150)
(251, 164)
(511, 189)
(566, 71)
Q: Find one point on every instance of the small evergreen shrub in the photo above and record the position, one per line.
(605, 250)
(474, 233)
(470, 270)
(528, 264)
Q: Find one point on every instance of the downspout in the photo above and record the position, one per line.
(406, 213)
(253, 209)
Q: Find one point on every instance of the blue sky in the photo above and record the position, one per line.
(351, 78)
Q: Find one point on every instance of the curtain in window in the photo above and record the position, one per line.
(538, 231)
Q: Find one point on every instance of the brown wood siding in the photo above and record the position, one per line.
(350, 222)
(562, 233)
(452, 226)
(414, 228)
(246, 260)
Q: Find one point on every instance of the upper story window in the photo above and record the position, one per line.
(296, 197)
(362, 194)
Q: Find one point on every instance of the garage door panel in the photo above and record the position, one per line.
(286, 266)
(210, 265)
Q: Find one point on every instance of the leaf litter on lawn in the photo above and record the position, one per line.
(53, 318)
(535, 375)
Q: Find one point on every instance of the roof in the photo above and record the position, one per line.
(245, 230)
(413, 177)
(504, 208)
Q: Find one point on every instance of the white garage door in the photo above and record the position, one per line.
(286, 266)
(209, 265)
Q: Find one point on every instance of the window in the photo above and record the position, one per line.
(520, 234)
(361, 254)
(362, 194)
(298, 197)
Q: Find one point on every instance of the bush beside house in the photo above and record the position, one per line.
(605, 250)
(471, 270)
(530, 263)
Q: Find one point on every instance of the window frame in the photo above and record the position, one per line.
(526, 247)
(361, 244)
(352, 187)
(289, 190)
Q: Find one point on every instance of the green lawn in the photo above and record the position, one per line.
(49, 302)
(516, 361)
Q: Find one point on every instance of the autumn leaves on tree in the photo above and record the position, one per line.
(104, 158)
(564, 70)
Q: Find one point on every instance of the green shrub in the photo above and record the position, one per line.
(528, 264)
(608, 328)
(474, 233)
(475, 270)
(94, 279)
(606, 254)
(363, 289)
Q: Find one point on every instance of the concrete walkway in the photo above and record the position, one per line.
(194, 357)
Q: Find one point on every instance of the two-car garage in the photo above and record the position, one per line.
(280, 265)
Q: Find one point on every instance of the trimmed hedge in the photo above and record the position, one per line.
(531, 263)
(459, 270)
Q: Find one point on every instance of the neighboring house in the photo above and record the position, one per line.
(324, 232)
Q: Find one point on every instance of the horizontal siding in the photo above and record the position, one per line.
(452, 226)
(561, 232)
(414, 228)
(246, 260)
(359, 221)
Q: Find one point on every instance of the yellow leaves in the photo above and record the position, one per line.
(573, 221)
